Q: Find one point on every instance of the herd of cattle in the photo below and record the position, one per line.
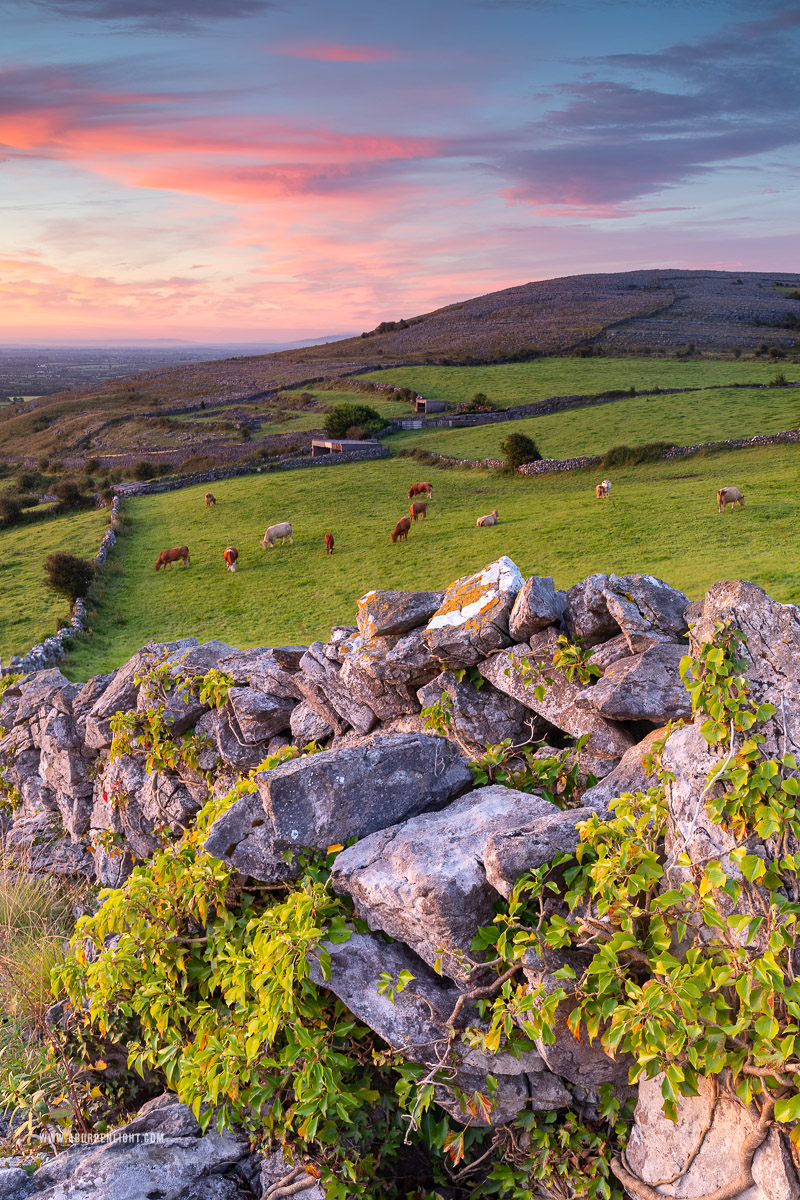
(418, 511)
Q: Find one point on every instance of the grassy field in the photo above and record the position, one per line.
(684, 418)
(524, 383)
(28, 610)
(662, 519)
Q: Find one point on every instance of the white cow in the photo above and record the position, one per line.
(729, 495)
(489, 519)
(282, 531)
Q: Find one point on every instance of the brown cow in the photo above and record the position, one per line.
(176, 554)
(421, 489)
(329, 543)
(401, 529)
(418, 509)
(230, 554)
(210, 499)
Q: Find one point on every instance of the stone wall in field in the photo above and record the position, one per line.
(53, 649)
(430, 850)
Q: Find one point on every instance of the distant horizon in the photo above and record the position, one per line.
(203, 172)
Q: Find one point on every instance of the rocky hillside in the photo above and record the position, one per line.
(633, 312)
(561, 957)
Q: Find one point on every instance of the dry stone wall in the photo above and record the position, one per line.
(434, 853)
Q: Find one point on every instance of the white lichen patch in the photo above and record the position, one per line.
(467, 598)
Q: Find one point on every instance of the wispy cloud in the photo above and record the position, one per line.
(156, 14)
(335, 52)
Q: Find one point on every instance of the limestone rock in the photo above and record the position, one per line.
(607, 742)
(537, 606)
(87, 697)
(259, 715)
(482, 716)
(381, 613)
(644, 687)
(658, 1148)
(307, 726)
(408, 1024)
(40, 841)
(601, 606)
(506, 856)
(243, 838)
(586, 616)
(331, 699)
(472, 619)
(121, 695)
(628, 776)
(330, 797)
(267, 668)
(394, 659)
(606, 653)
(424, 882)
(171, 1162)
(772, 650)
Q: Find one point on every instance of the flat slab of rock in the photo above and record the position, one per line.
(472, 619)
(381, 613)
(328, 798)
(259, 715)
(424, 882)
(537, 606)
(393, 659)
(307, 726)
(644, 687)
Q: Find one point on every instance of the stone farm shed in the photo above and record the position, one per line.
(320, 446)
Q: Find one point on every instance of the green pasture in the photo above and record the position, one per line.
(524, 383)
(661, 519)
(684, 418)
(28, 610)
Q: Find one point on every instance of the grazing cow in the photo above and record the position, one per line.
(282, 531)
(419, 509)
(401, 529)
(210, 499)
(329, 543)
(177, 554)
(602, 489)
(729, 495)
(489, 519)
(421, 489)
(230, 554)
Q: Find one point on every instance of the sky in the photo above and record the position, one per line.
(244, 170)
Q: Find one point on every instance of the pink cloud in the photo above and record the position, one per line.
(335, 52)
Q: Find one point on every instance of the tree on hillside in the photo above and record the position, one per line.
(342, 418)
(517, 449)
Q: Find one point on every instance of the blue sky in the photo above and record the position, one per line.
(239, 169)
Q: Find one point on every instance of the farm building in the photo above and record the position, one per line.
(430, 406)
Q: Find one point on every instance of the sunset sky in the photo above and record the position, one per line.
(242, 170)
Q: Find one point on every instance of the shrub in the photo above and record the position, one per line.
(68, 575)
(780, 380)
(479, 403)
(143, 470)
(632, 456)
(68, 493)
(517, 449)
(342, 417)
(26, 481)
(91, 465)
(10, 509)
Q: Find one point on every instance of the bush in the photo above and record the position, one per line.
(143, 470)
(780, 380)
(68, 493)
(517, 449)
(342, 417)
(479, 403)
(10, 509)
(26, 481)
(68, 575)
(91, 465)
(632, 456)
